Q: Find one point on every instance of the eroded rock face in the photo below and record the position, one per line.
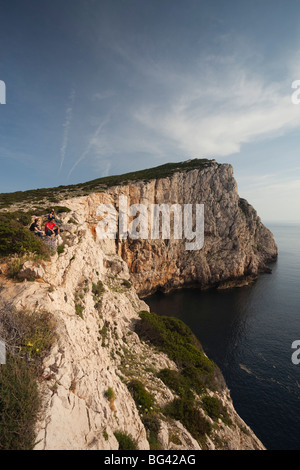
(236, 248)
(92, 290)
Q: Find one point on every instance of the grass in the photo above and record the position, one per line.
(56, 194)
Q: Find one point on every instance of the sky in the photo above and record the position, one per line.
(102, 87)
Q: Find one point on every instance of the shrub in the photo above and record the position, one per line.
(126, 283)
(152, 426)
(110, 395)
(16, 238)
(28, 336)
(174, 338)
(215, 409)
(190, 416)
(79, 310)
(19, 404)
(98, 289)
(176, 381)
(142, 398)
(125, 441)
(61, 249)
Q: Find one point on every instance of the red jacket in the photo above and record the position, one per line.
(49, 225)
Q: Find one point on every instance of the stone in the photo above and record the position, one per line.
(99, 349)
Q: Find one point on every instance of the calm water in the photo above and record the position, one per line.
(248, 332)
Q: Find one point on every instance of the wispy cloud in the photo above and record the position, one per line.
(231, 112)
(66, 126)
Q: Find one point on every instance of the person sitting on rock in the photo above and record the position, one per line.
(35, 227)
(52, 217)
(51, 228)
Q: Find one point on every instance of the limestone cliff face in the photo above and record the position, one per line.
(97, 347)
(236, 248)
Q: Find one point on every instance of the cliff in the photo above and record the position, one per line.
(237, 246)
(103, 375)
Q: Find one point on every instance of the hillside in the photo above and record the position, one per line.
(114, 375)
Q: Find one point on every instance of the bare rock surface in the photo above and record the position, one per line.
(93, 290)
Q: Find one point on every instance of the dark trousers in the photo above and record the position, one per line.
(49, 233)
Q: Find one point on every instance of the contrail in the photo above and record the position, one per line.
(90, 144)
(66, 125)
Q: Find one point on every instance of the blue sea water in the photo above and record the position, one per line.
(248, 332)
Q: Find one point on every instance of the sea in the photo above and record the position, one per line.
(250, 332)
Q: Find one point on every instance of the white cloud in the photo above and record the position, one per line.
(217, 118)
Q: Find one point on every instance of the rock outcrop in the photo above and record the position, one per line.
(237, 246)
(93, 290)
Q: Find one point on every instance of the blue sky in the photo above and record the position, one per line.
(100, 87)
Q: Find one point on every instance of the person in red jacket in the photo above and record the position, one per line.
(51, 228)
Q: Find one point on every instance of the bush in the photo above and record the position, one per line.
(98, 289)
(19, 404)
(152, 426)
(190, 416)
(79, 310)
(27, 334)
(126, 283)
(176, 381)
(125, 441)
(176, 339)
(60, 249)
(214, 408)
(142, 398)
(110, 394)
(16, 238)
(28, 337)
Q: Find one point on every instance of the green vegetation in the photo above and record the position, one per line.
(176, 381)
(146, 406)
(28, 337)
(79, 310)
(98, 289)
(142, 398)
(214, 408)
(15, 236)
(110, 394)
(190, 416)
(195, 373)
(174, 338)
(19, 405)
(152, 426)
(104, 333)
(126, 283)
(53, 195)
(125, 441)
(61, 249)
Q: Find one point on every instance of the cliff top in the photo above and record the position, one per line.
(54, 195)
